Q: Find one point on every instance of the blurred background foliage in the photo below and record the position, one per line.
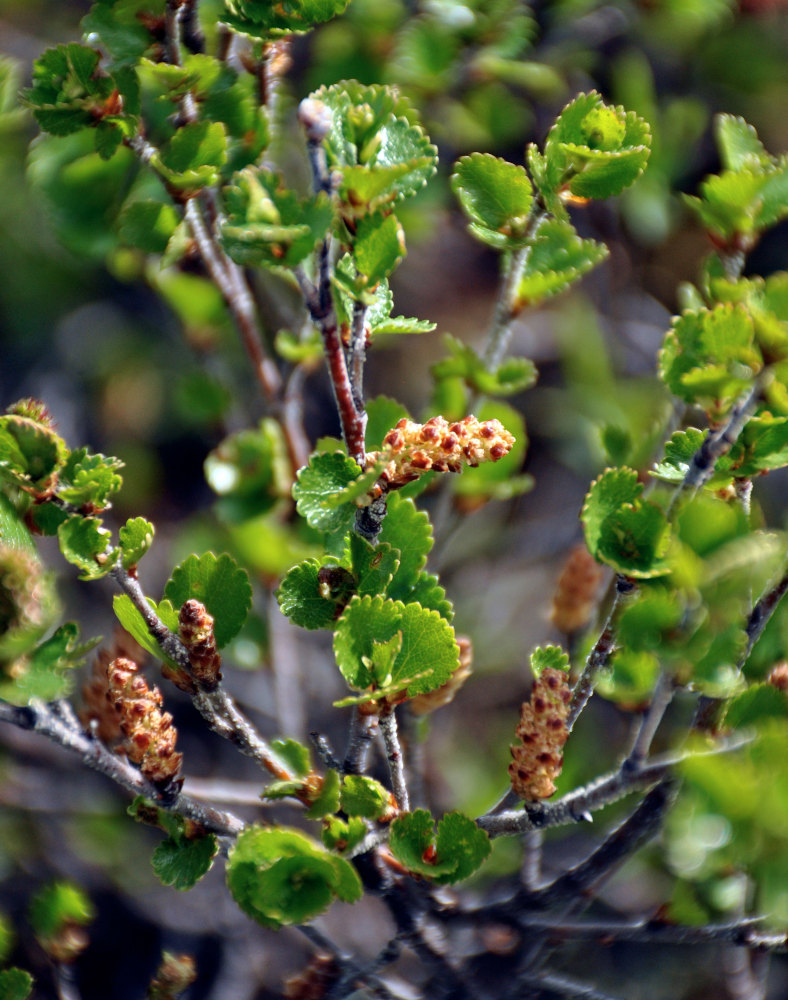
(143, 363)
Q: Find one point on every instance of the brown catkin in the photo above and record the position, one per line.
(150, 734)
(97, 712)
(411, 449)
(576, 591)
(314, 981)
(538, 757)
(195, 627)
(174, 975)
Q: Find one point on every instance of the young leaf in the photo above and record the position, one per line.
(459, 849)
(322, 491)
(378, 248)
(761, 701)
(623, 530)
(124, 29)
(497, 198)
(280, 876)
(424, 654)
(593, 150)
(552, 657)
(262, 19)
(85, 543)
(55, 908)
(218, 583)
(327, 800)
(136, 537)
(709, 357)
(133, 622)
(511, 376)
(429, 593)
(363, 796)
(30, 453)
(193, 156)
(407, 530)
(267, 224)
(147, 225)
(89, 479)
(340, 835)
(739, 144)
(15, 984)
(295, 755)
(373, 565)
(301, 595)
(182, 862)
(558, 258)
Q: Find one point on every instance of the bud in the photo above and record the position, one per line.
(538, 758)
(778, 676)
(175, 974)
(314, 982)
(195, 627)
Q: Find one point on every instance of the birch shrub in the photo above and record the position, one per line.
(164, 120)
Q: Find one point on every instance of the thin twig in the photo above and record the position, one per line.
(718, 443)
(579, 804)
(560, 986)
(636, 830)
(363, 730)
(216, 706)
(57, 722)
(356, 353)
(599, 656)
(396, 760)
(661, 698)
(324, 750)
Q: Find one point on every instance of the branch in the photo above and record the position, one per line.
(399, 785)
(562, 987)
(741, 933)
(216, 706)
(635, 831)
(499, 332)
(718, 442)
(363, 730)
(58, 723)
(599, 656)
(579, 804)
(661, 698)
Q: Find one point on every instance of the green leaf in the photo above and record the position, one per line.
(295, 755)
(511, 376)
(269, 225)
(182, 862)
(280, 876)
(378, 248)
(631, 677)
(250, 470)
(709, 356)
(622, 529)
(322, 491)
(497, 198)
(373, 566)
(383, 412)
(30, 453)
(86, 544)
(147, 225)
(760, 701)
(13, 531)
(300, 595)
(262, 19)
(680, 449)
(327, 800)
(136, 537)
(133, 622)
(458, 850)
(363, 796)
(58, 906)
(592, 151)
(193, 156)
(762, 446)
(549, 657)
(558, 258)
(123, 32)
(44, 671)
(429, 593)
(89, 479)
(738, 143)
(220, 584)
(382, 157)
(407, 530)
(421, 652)
(15, 984)
(339, 835)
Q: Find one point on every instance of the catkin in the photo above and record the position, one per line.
(538, 757)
